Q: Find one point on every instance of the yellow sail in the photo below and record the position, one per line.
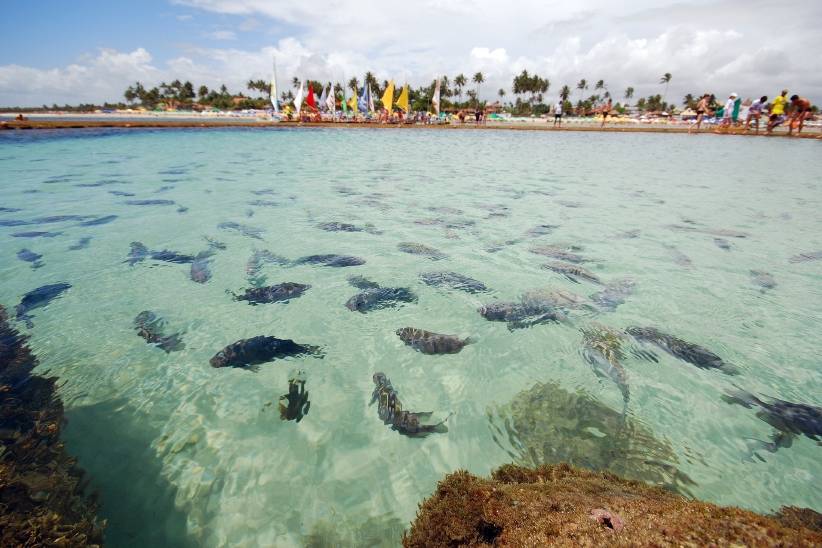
(402, 101)
(352, 103)
(388, 96)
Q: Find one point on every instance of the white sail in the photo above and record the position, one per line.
(322, 103)
(273, 90)
(330, 102)
(370, 100)
(435, 100)
(298, 100)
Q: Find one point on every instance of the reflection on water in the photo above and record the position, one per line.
(530, 256)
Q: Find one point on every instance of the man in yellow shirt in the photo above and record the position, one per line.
(778, 111)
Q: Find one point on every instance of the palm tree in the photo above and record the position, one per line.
(629, 93)
(202, 92)
(666, 79)
(354, 84)
(501, 93)
(295, 82)
(582, 85)
(564, 93)
(479, 79)
(459, 81)
(600, 85)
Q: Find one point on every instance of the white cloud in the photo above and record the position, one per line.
(715, 45)
(222, 35)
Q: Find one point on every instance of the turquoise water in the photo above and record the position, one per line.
(183, 453)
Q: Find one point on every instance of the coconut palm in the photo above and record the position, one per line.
(478, 79)
(629, 93)
(581, 86)
(564, 93)
(459, 82)
(666, 79)
(354, 84)
(295, 82)
(600, 85)
(501, 93)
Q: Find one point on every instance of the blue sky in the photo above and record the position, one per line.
(89, 51)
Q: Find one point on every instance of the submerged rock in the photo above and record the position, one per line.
(41, 487)
(559, 505)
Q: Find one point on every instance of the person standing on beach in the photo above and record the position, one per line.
(777, 111)
(727, 115)
(478, 115)
(606, 111)
(701, 109)
(755, 112)
(800, 108)
(558, 113)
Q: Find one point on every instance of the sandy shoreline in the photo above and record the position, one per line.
(157, 123)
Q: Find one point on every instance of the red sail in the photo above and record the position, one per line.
(309, 100)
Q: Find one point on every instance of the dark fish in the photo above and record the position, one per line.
(201, 268)
(13, 222)
(82, 243)
(453, 280)
(521, 315)
(572, 272)
(556, 252)
(805, 257)
(260, 349)
(614, 294)
(245, 230)
(36, 234)
(722, 243)
(362, 283)
(431, 343)
(259, 258)
(602, 348)
(390, 411)
(294, 405)
(541, 230)
(339, 227)
(182, 209)
(9, 209)
(331, 260)
(214, 244)
(120, 193)
(419, 249)
(265, 191)
(150, 327)
(789, 419)
(100, 221)
(273, 293)
(140, 252)
(689, 352)
(58, 219)
(149, 202)
(39, 298)
(763, 279)
(30, 257)
(380, 297)
(164, 188)
(263, 203)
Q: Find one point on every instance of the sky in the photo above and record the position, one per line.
(53, 51)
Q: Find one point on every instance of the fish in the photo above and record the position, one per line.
(99, 221)
(375, 298)
(362, 283)
(420, 249)
(201, 268)
(602, 348)
(245, 230)
(613, 294)
(763, 279)
(214, 244)
(82, 243)
(453, 280)
(722, 243)
(150, 327)
(556, 252)
(13, 222)
(140, 252)
(10, 209)
(259, 258)
(58, 219)
(541, 230)
(294, 405)
(428, 342)
(263, 203)
(248, 353)
(572, 272)
(679, 257)
(332, 260)
(788, 418)
(36, 234)
(389, 409)
(521, 315)
(30, 257)
(806, 257)
(688, 352)
(274, 293)
(38, 298)
(339, 227)
(120, 193)
(149, 202)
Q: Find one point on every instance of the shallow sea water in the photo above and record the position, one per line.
(185, 454)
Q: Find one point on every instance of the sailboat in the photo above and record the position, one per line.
(275, 115)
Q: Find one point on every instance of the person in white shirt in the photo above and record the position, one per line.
(729, 109)
(558, 113)
(755, 112)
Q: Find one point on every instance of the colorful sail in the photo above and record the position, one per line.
(435, 100)
(402, 100)
(309, 100)
(388, 97)
(353, 103)
(331, 99)
(362, 104)
(344, 101)
(298, 100)
(371, 100)
(273, 90)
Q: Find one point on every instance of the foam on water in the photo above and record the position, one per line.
(185, 453)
